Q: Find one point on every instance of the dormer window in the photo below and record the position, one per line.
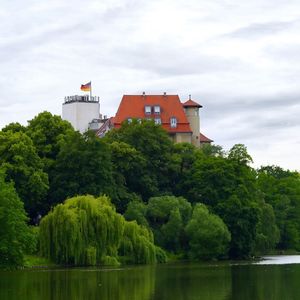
(173, 122)
(147, 109)
(157, 121)
(157, 109)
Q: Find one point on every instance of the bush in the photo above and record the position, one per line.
(208, 235)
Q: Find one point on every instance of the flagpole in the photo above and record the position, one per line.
(91, 92)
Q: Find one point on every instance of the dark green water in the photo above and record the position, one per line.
(174, 282)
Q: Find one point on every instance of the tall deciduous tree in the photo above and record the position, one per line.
(153, 143)
(83, 166)
(281, 189)
(167, 216)
(208, 235)
(15, 235)
(47, 131)
(21, 163)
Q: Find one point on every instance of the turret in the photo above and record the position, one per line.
(191, 109)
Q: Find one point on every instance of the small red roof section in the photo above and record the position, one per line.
(191, 103)
(133, 106)
(204, 139)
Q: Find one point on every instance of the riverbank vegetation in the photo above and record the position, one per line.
(133, 196)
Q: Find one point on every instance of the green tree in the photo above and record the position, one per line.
(83, 166)
(82, 231)
(15, 235)
(167, 216)
(267, 235)
(22, 165)
(88, 231)
(281, 189)
(136, 211)
(241, 218)
(155, 147)
(208, 235)
(239, 154)
(137, 245)
(14, 127)
(128, 166)
(212, 150)
(47, 131)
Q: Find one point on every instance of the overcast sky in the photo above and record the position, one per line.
(239, 59)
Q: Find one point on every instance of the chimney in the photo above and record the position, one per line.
(165, 94)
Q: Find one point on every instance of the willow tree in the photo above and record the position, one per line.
(88, 231)
(137, 244)
(82, 231)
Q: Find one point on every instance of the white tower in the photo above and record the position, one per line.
(80, 111)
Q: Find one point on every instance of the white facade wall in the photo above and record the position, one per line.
(80, 114)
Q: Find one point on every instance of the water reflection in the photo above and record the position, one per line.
(280, 260)
(264, 282)
(130, 283)
(193, 281)
(164, 282)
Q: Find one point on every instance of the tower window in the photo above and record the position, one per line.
(173, 122)
(148, 110)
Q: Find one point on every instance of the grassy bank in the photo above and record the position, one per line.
(34, 261)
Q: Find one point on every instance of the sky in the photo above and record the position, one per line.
(239, 59)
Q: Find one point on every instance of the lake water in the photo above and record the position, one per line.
(270, 279)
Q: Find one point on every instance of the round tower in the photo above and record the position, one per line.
(191, 109)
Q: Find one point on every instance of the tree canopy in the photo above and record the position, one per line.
(88, 231)
(23, 166)
(15, 236)
(83, 166)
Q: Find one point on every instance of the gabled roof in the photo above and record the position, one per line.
(133, 106)
(204, 139)
(191, 103)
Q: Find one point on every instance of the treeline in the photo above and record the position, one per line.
(194, 203)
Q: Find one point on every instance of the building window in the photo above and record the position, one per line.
(157, 121)
(129, 120)
(173, 122)
(196, 112)
(157, 109)
(148, 110)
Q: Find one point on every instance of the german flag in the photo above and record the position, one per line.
(86, 87)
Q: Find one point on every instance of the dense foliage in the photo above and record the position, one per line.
(193, 202)
(22, 165)
(15, 235)
(88, 231)
(208, 235)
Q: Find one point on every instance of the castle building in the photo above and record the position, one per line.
(180, 120)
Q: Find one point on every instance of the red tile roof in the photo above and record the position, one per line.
(191, 103)
(204, 139)
(133, 106)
